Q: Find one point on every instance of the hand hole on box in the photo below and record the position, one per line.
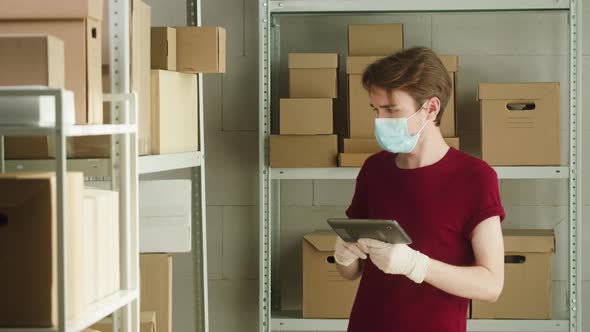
(521, 106)
(94, 33)
(331, 260)
(514, 259)
(3, 219)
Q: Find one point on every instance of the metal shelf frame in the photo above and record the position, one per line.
(270, 316)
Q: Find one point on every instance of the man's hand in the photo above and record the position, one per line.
(397, 259)
(347, 253)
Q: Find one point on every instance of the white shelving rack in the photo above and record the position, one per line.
(123, 170)
(271, 317)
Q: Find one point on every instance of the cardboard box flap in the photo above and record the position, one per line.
(321, 240)
(529, 241)
(451, 62)
(313, 60)
(49, 10)
(518, 91)
(357, 64)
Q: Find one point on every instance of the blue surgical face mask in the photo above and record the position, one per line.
(392, 134)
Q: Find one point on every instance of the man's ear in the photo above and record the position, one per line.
(433, 108)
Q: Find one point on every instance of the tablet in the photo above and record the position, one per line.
(351, 230)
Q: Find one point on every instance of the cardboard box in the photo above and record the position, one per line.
(77, 23)
(156, 288)
(165, 216)
(352, 159)
(175, 112)
(200, 49)
(325, 293)
(448, 123)
(147, 323)
(140, 72)
(303, 151)
(313, 75)
(28, 282)
(360, 114)
(163, 45)
(32, 60)
(528, 281)
(101, 243)
(375, 39)
(520, 124)
(361, 145)
(306, 116)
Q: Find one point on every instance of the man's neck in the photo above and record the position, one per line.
(430, 149)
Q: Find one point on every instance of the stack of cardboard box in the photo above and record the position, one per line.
(55, 45)
(306, 119)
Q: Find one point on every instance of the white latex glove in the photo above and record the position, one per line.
(346, 253)
(397, 259)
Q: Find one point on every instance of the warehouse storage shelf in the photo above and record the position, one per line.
(95, 312)
(101, 167)
(292, 321)
(350, 173)
(270, 315)
(69, 131)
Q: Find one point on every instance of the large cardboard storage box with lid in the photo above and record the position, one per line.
(306, 116)
(326, 294)
(313, 75)
(200, 49)
(156, 288)
(527, 284)
(28, 249)
(520, 123)
(448, 122)
(163, 47)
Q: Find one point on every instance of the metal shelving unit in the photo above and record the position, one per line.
(120, 301)
(271, 317)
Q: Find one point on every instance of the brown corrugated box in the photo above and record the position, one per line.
(147, 323)
(175, 112)
(28, 282)
(200, 49)
(303, 151)
(306, 116)
(156, 288)
(528, 281)
(352, 159)
(313, 75)
(77, 23)
(448, 123)
(375, 39)
(32, 60)
(326, 294)
(521, 136)
(163, 45)
(361, 116)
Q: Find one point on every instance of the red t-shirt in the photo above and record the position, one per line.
(439, 206)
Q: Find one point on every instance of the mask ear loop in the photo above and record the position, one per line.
(425, 122)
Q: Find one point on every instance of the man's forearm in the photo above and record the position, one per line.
(351, 272)
(472, 282)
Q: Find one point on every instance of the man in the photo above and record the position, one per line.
(447, 201)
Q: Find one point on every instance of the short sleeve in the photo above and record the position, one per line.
(359, 207)
(486, 201)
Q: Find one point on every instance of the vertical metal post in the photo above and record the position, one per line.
(62, 215)
(276, 245)
(576, 150)
(119, 47)
(2, 156)
(264, 170)
(199, 203)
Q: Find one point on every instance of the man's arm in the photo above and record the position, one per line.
(485, 280)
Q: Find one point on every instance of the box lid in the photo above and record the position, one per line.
(49, 10)
(529, 240)
(313, 60)
(532, 90)
(357, 64)
(322, 240)
(451, 62)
